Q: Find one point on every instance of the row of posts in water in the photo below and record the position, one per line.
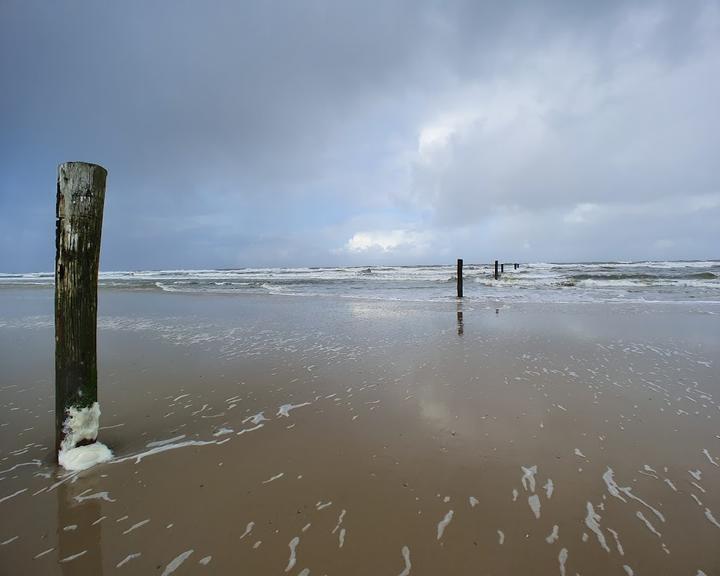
(497, 274)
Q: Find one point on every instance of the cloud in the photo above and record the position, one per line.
(407, 241)
(267, 133)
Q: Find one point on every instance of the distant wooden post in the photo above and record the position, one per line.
(79, 212)
(502, 268)
(496, 270)
(515, 266)
(460, 278)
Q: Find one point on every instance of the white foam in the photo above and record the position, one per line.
(95, 496)
(528, 477)
(175, 563)
(256, 418)
(534, 502)
(473, 501)
(164, 442)
(553, 537)
(562, 558)
(628, 570)
(710, 458)
(592, 521)
(248, 529)
(84, 457)
(157, 450)
(43, 553)
(79, 425)
(138, 525)
(13, 495)
(615, 490)
(73, 556)
(616, 536)
(9, 540)
(205, 561)
(443, 524)
(127, 559)
(710, 517)
(501, 537)
(549, 488)
(406, 557)
(293, 558)
(284, 410)
(273, 478)
(648, 524)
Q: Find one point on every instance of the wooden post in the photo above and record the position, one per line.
(496, 270)
(502, 268)
(515, 266)
(79, 212)
(460, 278)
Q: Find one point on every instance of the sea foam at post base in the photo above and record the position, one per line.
(679, 281)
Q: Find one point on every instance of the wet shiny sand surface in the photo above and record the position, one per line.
(271, 435)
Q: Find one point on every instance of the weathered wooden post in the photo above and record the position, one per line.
(79, 212)
(496, 270)
(502, 268)
(515, 266)
(460, 278)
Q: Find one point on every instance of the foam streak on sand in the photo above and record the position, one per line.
(13, 495)
(710, 517)
(647, 523)
(127, 559)
(138, 525)
(443, 524)
(553, 537)
(534, 502)
(710, 458)
(293, 558)
(284, 410)
(562, 558)
(549, 488)
(96, 496)
(138, 457)
(175, 563)
(248, 529)
(406, 557)
(73, 556)
(615, 490)
(592, 521)
(528, 477)
(616, 536)
(276, 477)
(164, 442)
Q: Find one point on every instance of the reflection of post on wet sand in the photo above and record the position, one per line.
(78, 532)
(460, 327)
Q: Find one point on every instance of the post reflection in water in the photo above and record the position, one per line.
(460, 326)
(79, 535)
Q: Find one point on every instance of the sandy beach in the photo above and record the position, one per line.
(272, 435)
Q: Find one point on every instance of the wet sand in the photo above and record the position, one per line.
(273, 435)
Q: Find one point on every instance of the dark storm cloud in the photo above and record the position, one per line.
(325, 132)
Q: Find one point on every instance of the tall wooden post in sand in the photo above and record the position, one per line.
(79, 212)
(460, 278)
(496, 270)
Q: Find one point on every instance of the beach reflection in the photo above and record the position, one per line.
(460, 325)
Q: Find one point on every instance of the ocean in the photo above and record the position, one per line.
(666, 281)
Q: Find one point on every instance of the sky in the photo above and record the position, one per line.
(326, 133)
